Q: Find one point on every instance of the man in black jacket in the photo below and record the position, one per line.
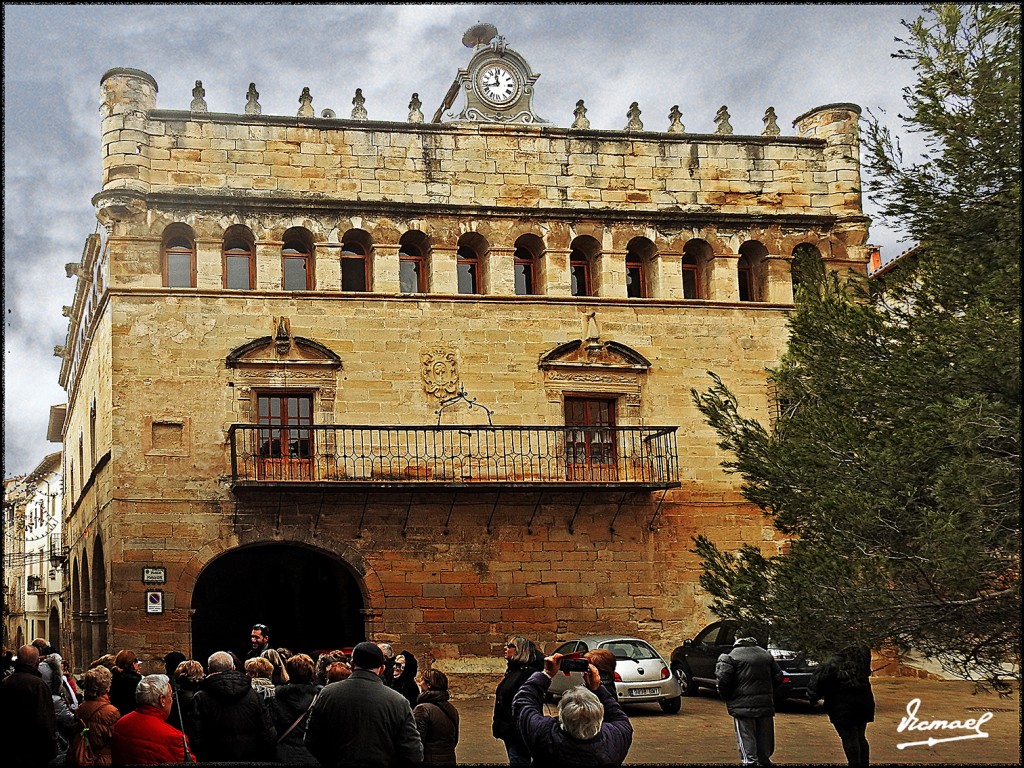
(27, 713)
(747, 677)
(232, 723)
(360, 720)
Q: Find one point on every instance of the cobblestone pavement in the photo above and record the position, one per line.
(702, 733)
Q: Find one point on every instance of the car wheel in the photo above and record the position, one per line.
(685, 680)
(671, 706)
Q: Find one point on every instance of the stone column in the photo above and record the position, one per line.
(667, 276)
(838, 125)
(498, 273)
(209, 264)
(269, 273)
(779, 280)
(444, 273)
(384, 268)
(326, 266)
(723, 283)
(555, 278)
(611, 274)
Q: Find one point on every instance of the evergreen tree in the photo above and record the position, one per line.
(894, 464)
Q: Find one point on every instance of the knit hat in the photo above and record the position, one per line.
(368, 656)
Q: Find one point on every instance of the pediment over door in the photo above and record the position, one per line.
(280, 362)
(593, 366)
(594, 354)
(282, 349)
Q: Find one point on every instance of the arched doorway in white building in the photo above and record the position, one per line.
(309, 599)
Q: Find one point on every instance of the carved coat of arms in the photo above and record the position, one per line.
(440, 371)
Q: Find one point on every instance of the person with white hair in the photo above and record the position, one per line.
(143, 736)
(591, 728)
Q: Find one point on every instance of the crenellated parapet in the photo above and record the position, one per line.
(253, 156)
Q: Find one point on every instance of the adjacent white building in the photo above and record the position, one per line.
(34, 555)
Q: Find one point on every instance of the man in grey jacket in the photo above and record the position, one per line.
(747, 677)
(361, 721)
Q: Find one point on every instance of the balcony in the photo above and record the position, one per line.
(394, 457)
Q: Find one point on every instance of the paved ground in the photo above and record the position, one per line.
(702, 732)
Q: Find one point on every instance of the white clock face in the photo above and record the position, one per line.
(497, 84)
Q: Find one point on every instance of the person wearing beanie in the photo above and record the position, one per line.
(361, 718)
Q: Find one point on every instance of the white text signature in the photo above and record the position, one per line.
(912, 723)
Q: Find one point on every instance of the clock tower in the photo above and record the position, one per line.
(498, 82)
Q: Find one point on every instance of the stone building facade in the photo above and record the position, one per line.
(34, 556)
(422, 382)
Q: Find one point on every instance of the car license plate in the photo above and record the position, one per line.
(644, 691)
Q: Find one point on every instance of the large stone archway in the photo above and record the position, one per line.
(310, 599)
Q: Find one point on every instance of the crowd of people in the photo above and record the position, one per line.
(257, 709)
(366, 705)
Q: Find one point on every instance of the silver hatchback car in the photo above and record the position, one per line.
(641, 675)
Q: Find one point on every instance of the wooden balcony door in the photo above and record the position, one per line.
(589, 443)
(285, 440)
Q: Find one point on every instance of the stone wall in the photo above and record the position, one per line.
(502, 166)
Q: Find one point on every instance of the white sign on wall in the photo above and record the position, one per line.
(155, 601)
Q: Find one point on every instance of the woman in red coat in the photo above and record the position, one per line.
(143, 736)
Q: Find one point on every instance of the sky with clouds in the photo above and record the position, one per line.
(699, 57)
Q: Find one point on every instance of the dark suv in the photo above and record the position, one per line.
(693, 663)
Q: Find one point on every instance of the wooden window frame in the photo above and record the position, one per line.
(168, 248)
(296, 255)
(529, 265)
(691, 265)
(634, 262)
(354, 251)
(282, 465)
(745, 279)
(602, 465)
(405, 257)
(474, 263)
(233, 252)
(583, 262)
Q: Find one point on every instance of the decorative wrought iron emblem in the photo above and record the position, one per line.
(440, 371)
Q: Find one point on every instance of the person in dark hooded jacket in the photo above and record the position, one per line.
(232, 723)
(843, 682)
(522, 658)
(406, 668)
(127, 675)
(290, 708)
(188, 678)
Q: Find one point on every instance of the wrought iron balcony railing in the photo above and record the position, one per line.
(395, 456)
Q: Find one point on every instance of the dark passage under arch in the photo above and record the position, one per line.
(309, 600)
